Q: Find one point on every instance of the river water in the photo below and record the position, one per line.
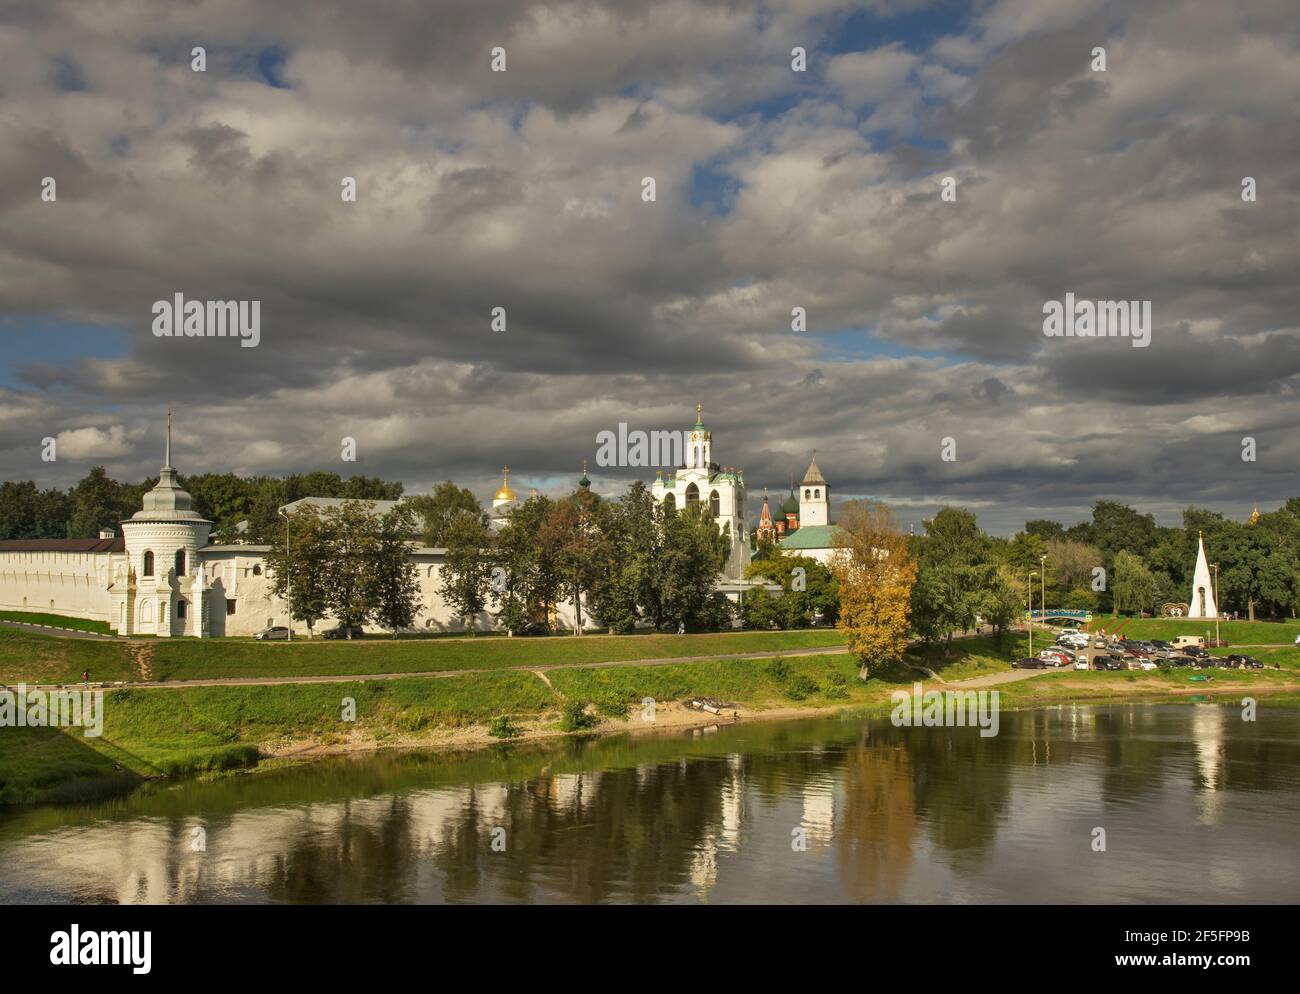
(1196, 805)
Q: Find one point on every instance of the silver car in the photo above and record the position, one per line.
(274, 633)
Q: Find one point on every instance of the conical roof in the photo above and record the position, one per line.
(814, 475)
(167, 501)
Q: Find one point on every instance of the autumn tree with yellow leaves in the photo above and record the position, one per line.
(876, 571)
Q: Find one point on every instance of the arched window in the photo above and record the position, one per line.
(818, 492)
(180, 562)
(692, 497)
(697, 456)
(148, 563)
(807, 494)
(715, 504)
(180, 609)
(670, 503)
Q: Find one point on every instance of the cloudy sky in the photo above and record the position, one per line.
(775, 189)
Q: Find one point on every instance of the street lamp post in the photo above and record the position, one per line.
(1043, 580)
(288, 574)
(1032, 574)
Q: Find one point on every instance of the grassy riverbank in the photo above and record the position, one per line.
(207, 730)
(37, 658)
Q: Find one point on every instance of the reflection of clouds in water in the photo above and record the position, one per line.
(1207, 729)
(927, 816)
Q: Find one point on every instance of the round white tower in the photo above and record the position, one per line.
(162, 540)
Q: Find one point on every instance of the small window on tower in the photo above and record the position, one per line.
(230, 607)
(817, 492)
(807, 494)
(148, 564)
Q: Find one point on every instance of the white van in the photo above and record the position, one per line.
(1183, 641)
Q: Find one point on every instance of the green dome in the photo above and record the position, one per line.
(791, 505)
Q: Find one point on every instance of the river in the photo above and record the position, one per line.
(1196, 804)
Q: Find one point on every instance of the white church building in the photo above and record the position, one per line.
(163, 577)
(702, 480)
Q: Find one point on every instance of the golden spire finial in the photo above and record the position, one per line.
(584, 467)
(699, 411)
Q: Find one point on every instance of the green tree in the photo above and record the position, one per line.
(300, 576)
(467, 571)
(436, 510)
(393, 584)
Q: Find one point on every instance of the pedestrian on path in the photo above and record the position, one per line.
(681, 628)
(85, 676)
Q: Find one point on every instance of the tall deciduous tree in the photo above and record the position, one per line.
(876, 572)
(467, 571)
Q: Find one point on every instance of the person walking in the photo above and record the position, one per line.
(681, 628)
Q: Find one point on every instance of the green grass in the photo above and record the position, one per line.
(1235, 632)
(187, 659)
(156, 732)
(975, 657)
(57, 621)
(197, 730)
(38, 658)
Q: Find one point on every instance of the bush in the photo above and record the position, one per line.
(836, 687)
(501, 727)
(778, 670)
(800, 687)
(574, 717)
(612, 704)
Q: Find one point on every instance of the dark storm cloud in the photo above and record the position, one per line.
(522, 190)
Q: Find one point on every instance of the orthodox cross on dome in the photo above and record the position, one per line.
(167, 461)
(699, 415)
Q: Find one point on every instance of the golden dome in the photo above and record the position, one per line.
(505, 493)
(1254, 515)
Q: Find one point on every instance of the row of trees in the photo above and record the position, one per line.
(97, 501)
(350, 563)
(1144, 566)
(622, 562)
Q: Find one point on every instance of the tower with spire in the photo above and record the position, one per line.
(700, 483)
(1202, 601)
(162, 592)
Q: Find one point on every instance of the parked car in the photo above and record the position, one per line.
(1204, 662)
(1162, 645)
(1185, 641)
(1107, 663)
(1147, 664)
(1029, 664)
(1195, 651)
(534, 628)
(1081, 663)
(1177, 660)
(342, 632)
(272, 634)
(1056, 657)
(1245, 662)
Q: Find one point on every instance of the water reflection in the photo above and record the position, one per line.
(1197, 805)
